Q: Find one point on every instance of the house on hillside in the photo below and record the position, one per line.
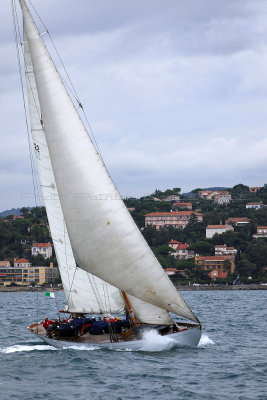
(44, 249)
(237, 221)
(172, 197)
(254, 189)
(255, 205)
(5, 264)
(176, 219)
(183, 206)
(205, 194)
(222, 249)
(173, 244)
(211, 230)
(181, 251)
(223, 264)
(15, 217)
(22, 263)
(170, 271)
(222, 198)
(261, 232)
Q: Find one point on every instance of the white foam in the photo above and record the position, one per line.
(153, 341)
(18, 348)
(83, 348)
(205, 340)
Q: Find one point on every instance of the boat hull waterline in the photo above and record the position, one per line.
(189, 337)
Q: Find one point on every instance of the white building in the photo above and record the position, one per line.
(222, 249)
(256, 206)
(237, 221)
(44, 249)
(211, 230)
(261, 232)
(222, 198)
(172, 197)
(21, 263)
(176, 219)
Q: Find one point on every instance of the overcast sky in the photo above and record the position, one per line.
(175, 91)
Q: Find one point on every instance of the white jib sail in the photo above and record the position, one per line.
(84, 291)
(93, 210)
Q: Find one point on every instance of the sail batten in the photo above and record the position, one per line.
(103, 236)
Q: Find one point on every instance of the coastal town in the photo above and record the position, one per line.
(206, 236)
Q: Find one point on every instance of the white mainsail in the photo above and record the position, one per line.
(92, 207)
(84, 291)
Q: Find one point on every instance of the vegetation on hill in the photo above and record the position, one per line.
(17, 236)
(251, 259)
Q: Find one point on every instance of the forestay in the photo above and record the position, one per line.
(104, 238)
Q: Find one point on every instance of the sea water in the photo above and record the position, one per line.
(229, 363)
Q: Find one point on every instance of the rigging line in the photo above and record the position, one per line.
(34, 174)
(16, 30)
(55, 48)
(106, 296)
(95, 291)
(74, 92)
(68, 272)
(27, 77)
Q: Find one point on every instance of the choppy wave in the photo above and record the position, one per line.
(153, 341)
(205, 341)
(19, 348)
(79, 347)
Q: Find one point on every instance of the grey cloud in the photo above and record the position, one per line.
(176, 91)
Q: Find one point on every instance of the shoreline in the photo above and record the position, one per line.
(252, 286)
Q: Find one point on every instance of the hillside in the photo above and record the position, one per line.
(16, 236)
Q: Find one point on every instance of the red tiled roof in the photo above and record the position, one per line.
(21, 260)
(42, 244)
(174, 242)
(254, 204)
(216, 226)
(238, 219)
(182, 246)
(261, 227)
(166, 214)
(182, 204)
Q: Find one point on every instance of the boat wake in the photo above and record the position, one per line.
(205, 341)
(83, 348)
(153, 341)
(21, 348)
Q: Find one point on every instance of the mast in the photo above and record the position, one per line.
(129, 309)
(93, 209)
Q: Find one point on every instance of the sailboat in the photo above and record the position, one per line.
(106, 266)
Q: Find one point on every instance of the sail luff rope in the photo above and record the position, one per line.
(37, 196)
(16, 34)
